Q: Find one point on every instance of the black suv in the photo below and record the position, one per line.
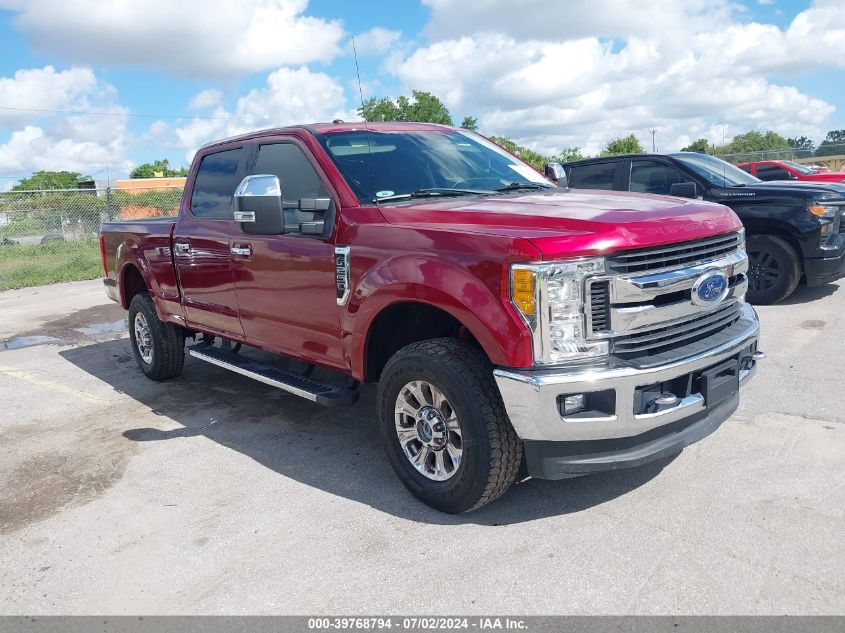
(793, 228)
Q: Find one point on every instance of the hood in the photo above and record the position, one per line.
(572, 222)
(808, 188)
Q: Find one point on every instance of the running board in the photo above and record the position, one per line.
(319, 392)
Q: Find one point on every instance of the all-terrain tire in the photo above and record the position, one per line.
(492, 451)
(774, 269)
(168, 341)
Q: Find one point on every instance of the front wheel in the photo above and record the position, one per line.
(444, 426)
(158, 347)
(774, 269)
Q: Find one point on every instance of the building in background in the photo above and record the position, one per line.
(136, 185)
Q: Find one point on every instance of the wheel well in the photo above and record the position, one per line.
(776, 231)
(404, 323)
(132, 284)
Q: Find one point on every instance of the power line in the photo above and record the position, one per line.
(135, 115)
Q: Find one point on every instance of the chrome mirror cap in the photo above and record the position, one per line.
(259, 185)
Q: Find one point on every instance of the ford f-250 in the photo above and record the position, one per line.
(513, 327)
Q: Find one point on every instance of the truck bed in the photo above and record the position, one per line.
(142, 239)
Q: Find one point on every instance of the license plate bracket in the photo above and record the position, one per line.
(720, 382)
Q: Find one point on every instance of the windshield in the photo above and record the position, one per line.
(715, 170)
(801, 169)
(381, 165)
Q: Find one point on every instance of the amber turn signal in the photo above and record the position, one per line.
(523, 290)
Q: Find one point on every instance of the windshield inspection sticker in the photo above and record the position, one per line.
(383, 194)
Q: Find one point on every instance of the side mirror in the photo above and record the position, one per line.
(556, 173)
(683, 190)
(258, 205)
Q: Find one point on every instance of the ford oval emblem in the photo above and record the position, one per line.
(710, 288)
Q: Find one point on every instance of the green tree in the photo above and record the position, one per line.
(470, 123)
(833, 144)
(699, 145)
(50, 180)
(568, 154)
(755, 141)
(157, 169)
(422, 107)
(626, 145)
(801, 142)
(535, 159)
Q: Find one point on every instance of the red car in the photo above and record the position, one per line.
(788, 170)
(504, 319)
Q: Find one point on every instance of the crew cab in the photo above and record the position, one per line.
(793, 229)
(513, 327)
(789, 170)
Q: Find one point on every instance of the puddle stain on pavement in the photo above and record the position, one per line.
(94, 324)
(51, 477)
(46, 483)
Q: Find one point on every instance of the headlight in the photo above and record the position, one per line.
(824, 209)
(550, 297)
(829, 213)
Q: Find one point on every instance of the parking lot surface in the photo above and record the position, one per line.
(214, 494)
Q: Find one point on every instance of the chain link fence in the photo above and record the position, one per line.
(52, 235)
(793, 154)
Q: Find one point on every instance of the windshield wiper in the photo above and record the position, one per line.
(516, 186)
(434, 192)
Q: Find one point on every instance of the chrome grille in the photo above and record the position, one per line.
(674, 255)
(682, 331)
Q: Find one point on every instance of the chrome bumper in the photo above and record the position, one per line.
(531, 397)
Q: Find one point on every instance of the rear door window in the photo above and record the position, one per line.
(592, 176)
(651, 176)
(772, 172)
(214, 188)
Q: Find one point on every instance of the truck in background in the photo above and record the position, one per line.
(794, 230)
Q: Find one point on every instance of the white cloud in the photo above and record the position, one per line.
(555, 21)
(206, 99)
(376, 41)
(189, 37)
(44, 140)
(568, 74)
(289, 96)
(43, 89)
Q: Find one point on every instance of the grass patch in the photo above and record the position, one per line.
(40, 264)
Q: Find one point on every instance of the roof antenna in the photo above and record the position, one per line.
(366, 129)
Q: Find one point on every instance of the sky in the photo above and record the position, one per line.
(98, 87)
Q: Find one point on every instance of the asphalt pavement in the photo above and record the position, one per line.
(214, 494)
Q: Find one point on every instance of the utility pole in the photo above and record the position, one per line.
(653, 146)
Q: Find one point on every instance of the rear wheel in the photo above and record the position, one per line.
(444, 426)
(774, 269)
(158, 347)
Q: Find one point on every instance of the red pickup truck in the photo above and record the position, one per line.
(789, 170)
(514, 327)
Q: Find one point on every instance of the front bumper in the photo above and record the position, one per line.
(824, 270)
(625, 433)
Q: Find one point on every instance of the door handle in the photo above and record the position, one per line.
(243, 251)
(182, 247)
